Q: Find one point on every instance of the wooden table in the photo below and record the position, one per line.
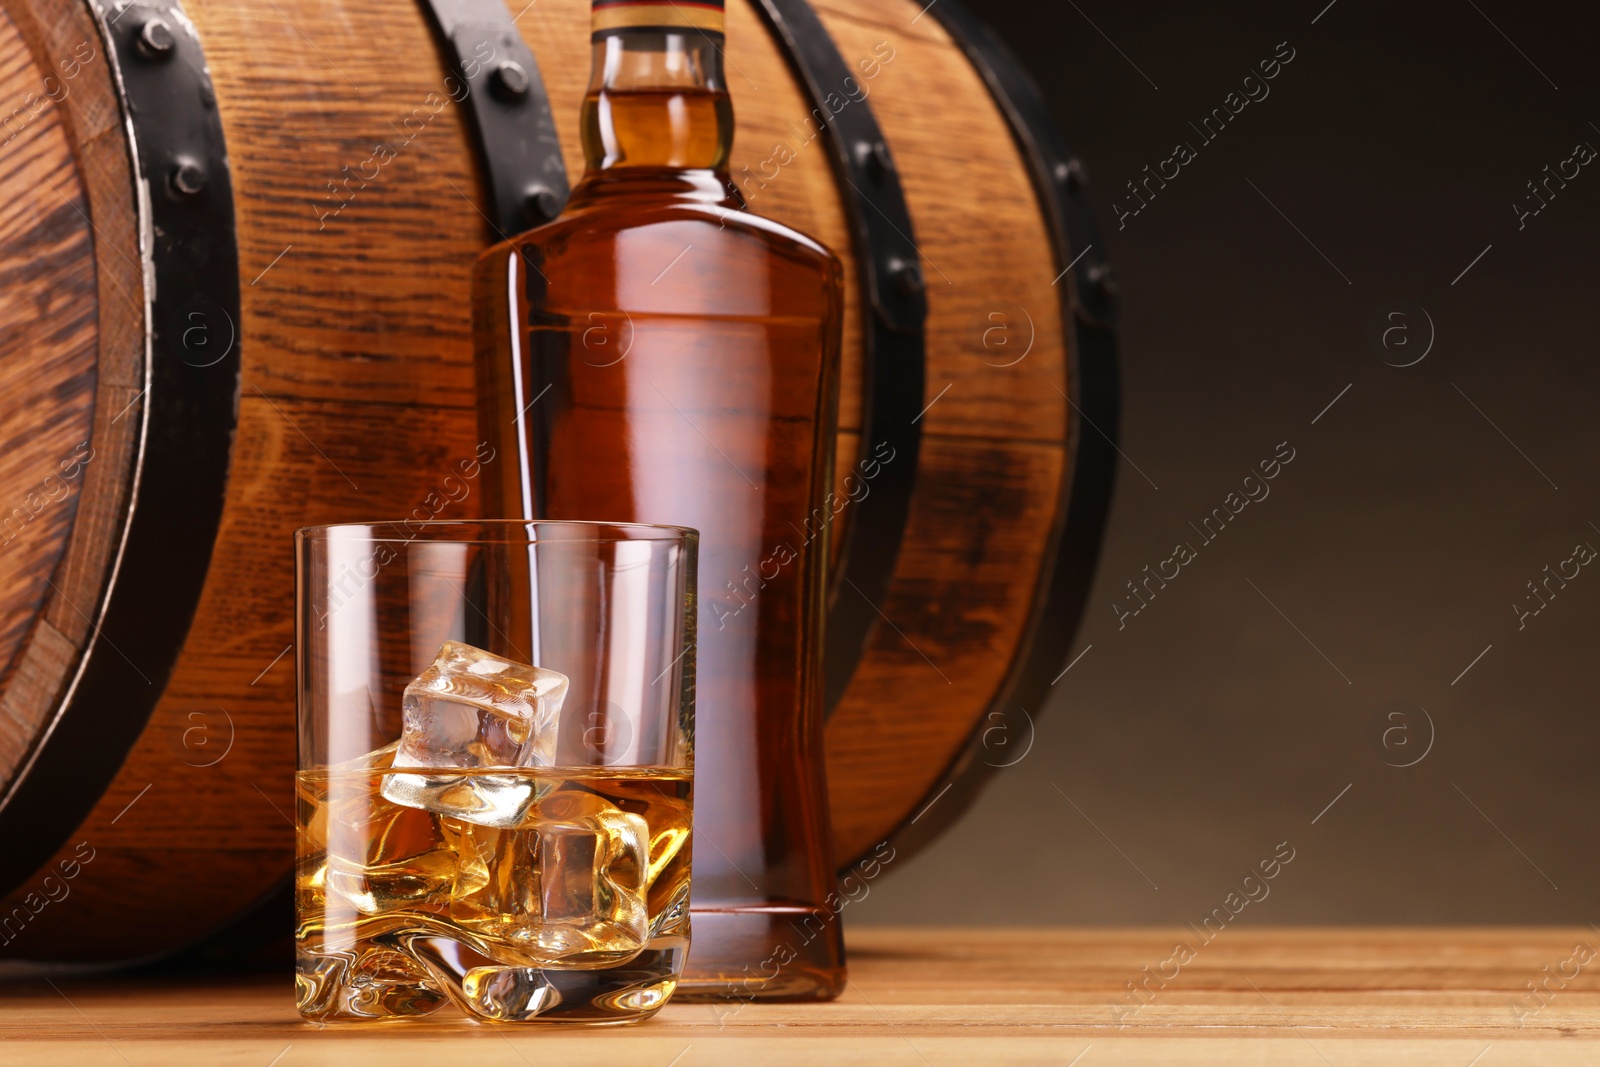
(931, 998)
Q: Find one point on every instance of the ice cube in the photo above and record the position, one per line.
(498, 800)
(377, 888)
(593, 862)
(472, 709)
(566, 887)
(379, 856)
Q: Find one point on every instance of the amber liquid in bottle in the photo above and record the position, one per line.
(658, 354)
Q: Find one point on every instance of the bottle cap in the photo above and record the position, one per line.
(703, 15)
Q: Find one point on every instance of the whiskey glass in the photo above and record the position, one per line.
(494, 795)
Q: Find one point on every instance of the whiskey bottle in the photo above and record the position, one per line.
(659, 354)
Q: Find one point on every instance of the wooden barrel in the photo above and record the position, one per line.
(237, 243)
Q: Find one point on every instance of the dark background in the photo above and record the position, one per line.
(1179, 752)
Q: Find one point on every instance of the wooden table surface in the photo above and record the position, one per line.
(930, 998)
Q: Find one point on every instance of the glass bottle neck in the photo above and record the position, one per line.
(656, 102)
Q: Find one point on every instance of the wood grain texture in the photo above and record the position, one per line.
(47, 357)
(359, 213)
(197, 825)
(986, 252)
(65, 46)
(989, 482)
(354, 182)
(356, 394)
(958, 610)
(920, 997)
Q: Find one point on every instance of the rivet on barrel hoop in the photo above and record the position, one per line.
(1101, 278)
(517, 149)
(187, 177)
(907, 276)
(540, 205)
(1073, 174)
(875, 157)
(509, 81)
(155, 39)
